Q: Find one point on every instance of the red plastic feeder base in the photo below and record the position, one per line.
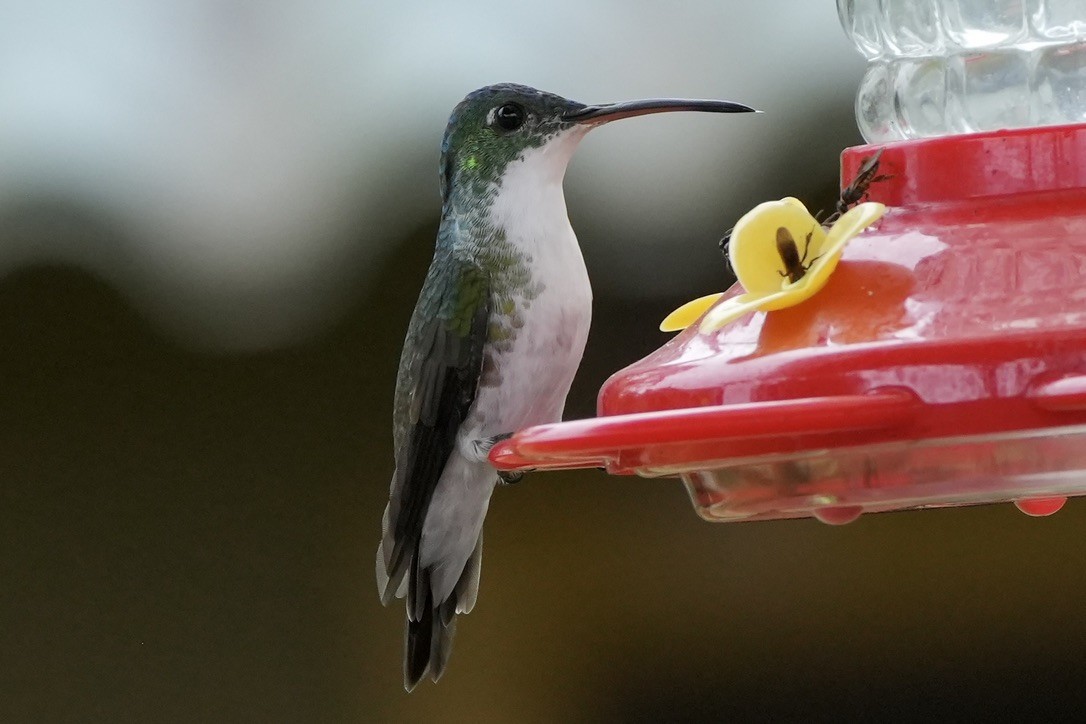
(944, 363)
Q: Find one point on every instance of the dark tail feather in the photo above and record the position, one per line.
(430, 628)
(416, 658)
(420, 616)
(427, 643)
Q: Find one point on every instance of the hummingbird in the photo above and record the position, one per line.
(492, 347)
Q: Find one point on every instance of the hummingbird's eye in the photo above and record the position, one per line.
(509, 117)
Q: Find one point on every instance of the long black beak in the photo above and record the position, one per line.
(614, 111)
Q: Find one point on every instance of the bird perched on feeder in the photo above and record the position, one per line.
(494, 342)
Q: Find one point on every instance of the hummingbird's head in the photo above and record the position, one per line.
(496, 125)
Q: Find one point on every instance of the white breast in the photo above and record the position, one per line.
(537, 371)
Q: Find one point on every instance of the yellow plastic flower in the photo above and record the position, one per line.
(782, 256)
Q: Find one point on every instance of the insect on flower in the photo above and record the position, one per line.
(762, 242)
(794, 266)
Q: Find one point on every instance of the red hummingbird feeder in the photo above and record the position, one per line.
(944, 361)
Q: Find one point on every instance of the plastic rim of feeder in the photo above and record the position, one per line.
(943, 364)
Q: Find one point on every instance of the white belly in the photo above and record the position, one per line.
(536, 373)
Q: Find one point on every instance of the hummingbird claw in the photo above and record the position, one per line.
(480, 447)
(510, 478)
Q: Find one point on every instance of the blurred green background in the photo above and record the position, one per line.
(200, 335)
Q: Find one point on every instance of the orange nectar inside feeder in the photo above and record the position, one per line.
(930, 353)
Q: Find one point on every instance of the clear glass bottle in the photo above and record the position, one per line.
(945, 67)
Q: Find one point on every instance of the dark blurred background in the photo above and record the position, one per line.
(214, 220)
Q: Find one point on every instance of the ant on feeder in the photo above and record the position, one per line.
(723, 244)
(856, 191)
(794, 265)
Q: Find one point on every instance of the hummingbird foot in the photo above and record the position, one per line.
(483, 447)
(510, 478)
(494, 440)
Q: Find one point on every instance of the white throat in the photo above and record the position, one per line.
(530, 204)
